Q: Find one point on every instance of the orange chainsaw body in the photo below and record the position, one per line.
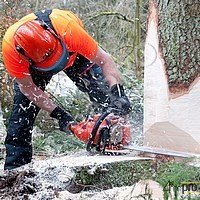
(120, 132)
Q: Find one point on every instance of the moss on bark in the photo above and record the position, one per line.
(180, 42)
(114, 174)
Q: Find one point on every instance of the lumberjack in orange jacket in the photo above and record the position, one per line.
(39, 46)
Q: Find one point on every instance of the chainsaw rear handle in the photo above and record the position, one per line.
(96, 126)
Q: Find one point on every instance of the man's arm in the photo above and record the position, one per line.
(110, 71)
(119, 100)
(35, 94)
(42, 100)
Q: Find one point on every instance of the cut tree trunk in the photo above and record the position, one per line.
(171, 76)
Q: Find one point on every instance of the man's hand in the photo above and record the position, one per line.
(63, 117)
(119, 100)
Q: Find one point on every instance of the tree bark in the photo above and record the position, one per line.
(2, 134)
(180, 42)
(2, 127)
(137, 40)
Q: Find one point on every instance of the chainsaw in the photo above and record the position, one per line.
(111, 134)
(105, 132)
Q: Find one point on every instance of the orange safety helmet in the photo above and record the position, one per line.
(41, 46)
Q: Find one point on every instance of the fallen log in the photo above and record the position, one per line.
(43, 179)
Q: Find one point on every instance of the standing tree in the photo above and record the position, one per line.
(172, 67)
(137, 40)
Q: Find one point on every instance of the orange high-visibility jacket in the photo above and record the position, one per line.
(67, 25)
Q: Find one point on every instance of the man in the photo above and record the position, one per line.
(39, 46)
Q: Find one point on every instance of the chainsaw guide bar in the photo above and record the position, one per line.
(133, 150)
(160, 151)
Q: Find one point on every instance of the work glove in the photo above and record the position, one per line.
(119, 100)
(63, 117)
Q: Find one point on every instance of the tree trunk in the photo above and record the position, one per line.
(172, 68)
(137, 40)
(2, 127)
(73, 173)
(2, 134)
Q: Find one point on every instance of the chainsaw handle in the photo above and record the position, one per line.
(96, 126)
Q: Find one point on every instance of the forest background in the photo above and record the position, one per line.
(119, 26)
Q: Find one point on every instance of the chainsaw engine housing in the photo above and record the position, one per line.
(112, 133)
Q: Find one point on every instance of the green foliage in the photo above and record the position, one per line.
(56, 142)
(106, 176)
(75, 102)
(173, 175)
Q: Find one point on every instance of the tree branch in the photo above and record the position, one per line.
(116, 14)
